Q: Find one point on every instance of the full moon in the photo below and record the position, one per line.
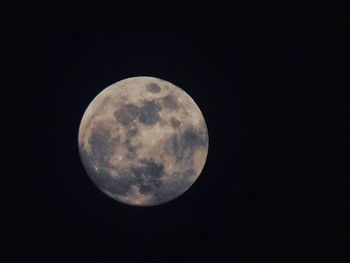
(143, 141)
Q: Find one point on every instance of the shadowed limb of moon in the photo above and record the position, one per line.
(143, 141)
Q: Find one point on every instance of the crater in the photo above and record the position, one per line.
(171, 190)
(126, 114)
(148, 175)
(192, 139)
(149, 113)
(153, 87)
(184, 145)
(131, 150)
(131, 132)
(176, 148)
(151, 169)
(119, 186)
(146, 188)
(175, 123)
(170, 102)
(102, 145)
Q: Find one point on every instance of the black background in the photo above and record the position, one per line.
(273, 91)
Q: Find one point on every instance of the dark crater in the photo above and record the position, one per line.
(149, 113)
(148, 174)
(171, 191)
(170, 102)
(119, 186)
(176, 188)
(193, 139)
(101, 146)
(153, 169)
(131, 149)
(102, 178)
(185, 144)
(175, 123)
(149, 169)
(153, 87)
(131, 132)
(126, 114)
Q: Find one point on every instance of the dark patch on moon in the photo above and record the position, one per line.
(131, 132)
(101, 145)
(175, 123)
(193, 139)
(119, 186)
(188, 173)
(102, 178)
(176, 187)
(152, 169)
(148, 175)
(184, 145)
(172, 190)
(149, 113)
(126, 114)
(146, 188)
(131, 149)
(170, 102)
(176, 148)
(153, 87)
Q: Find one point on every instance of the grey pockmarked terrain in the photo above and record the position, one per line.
(143, 141)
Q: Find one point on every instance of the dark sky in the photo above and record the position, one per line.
(273, 91)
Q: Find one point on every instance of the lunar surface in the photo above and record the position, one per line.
(143, 141)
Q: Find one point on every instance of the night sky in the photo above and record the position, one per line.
(273, 92)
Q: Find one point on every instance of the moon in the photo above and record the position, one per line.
(143, 141)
